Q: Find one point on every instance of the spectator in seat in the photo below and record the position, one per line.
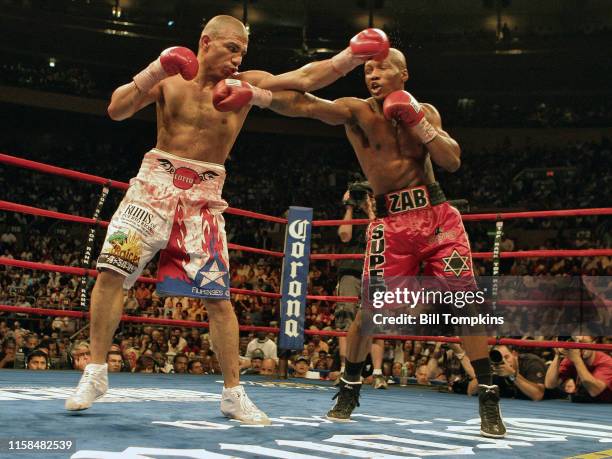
(584, 374)
(37, 360)
(114, 359)
(180, 363)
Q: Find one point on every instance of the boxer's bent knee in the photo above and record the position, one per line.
(109, 280)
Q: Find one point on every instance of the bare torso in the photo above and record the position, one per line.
(189, 126)
(390, 156)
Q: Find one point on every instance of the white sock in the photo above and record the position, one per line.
(96, 366)
(377, 372)
(234, 390)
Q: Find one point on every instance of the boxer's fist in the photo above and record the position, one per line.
(401, 106)
(367, 44)
(179, 59)
(232, 95)
(370, 44)
(171, 62)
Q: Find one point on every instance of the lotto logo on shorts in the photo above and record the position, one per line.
(185, 178)
(411, 199)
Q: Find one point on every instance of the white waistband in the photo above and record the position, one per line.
(194, 162)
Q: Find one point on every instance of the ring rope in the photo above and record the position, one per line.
(42, 167)
(55, 170)
(344, 299)
(493, 216)
(150, 280)
(91, 238)
(30, 210)
(499, 229)
(10, 206)
(190, 323)
(488, 255)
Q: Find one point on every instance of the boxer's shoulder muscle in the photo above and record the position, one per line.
(254, 77)
(356, 107)
(432, 114)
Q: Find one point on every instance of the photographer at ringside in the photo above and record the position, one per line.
(358, 202)
(584, 374)
(518, 375)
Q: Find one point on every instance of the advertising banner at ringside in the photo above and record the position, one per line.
(294, 283)
(522, 306)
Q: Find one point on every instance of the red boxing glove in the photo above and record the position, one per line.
(367, 44)
(171, 61)
(401, 106)
(370, 44)
(232, 95)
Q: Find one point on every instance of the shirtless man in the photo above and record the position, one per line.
(175, 205)
(395, 139)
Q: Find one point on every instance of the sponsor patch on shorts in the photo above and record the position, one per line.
(122, 249)
(138, 218)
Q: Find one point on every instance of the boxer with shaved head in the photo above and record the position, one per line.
(396, 139)
(174, 204)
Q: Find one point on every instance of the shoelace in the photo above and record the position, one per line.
(350, 395)
(491, 410)
(247, 405)
(84, 383)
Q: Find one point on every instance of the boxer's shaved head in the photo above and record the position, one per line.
(397, 58)
(223, 26)
(223, 44)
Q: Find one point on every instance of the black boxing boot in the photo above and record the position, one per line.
(491, 423)
(347, 399)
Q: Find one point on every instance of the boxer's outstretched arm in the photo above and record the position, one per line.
(367, 44)
(298, 105)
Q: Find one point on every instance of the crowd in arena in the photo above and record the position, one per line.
(503, 111)
(316, 175)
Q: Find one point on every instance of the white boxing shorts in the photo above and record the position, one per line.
(173, 205)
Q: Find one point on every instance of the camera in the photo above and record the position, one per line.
(496, 357)
(358, 191)
(358, 195)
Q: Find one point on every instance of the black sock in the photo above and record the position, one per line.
(352, 371)
(482, 368)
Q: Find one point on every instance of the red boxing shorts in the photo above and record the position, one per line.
(173, 205)
(417, 226)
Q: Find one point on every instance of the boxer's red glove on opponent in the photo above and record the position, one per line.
(170, 62)
(367, 44)
(401, 106)
(231, 95)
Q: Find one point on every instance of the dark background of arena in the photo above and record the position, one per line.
(523, 86)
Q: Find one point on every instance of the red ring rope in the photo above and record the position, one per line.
(485, 255)
(150, 280)
(54, 170)
(194, 324)
(41, 167)
(10, 206)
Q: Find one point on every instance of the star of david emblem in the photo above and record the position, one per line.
(455, 263)
(213, 275)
